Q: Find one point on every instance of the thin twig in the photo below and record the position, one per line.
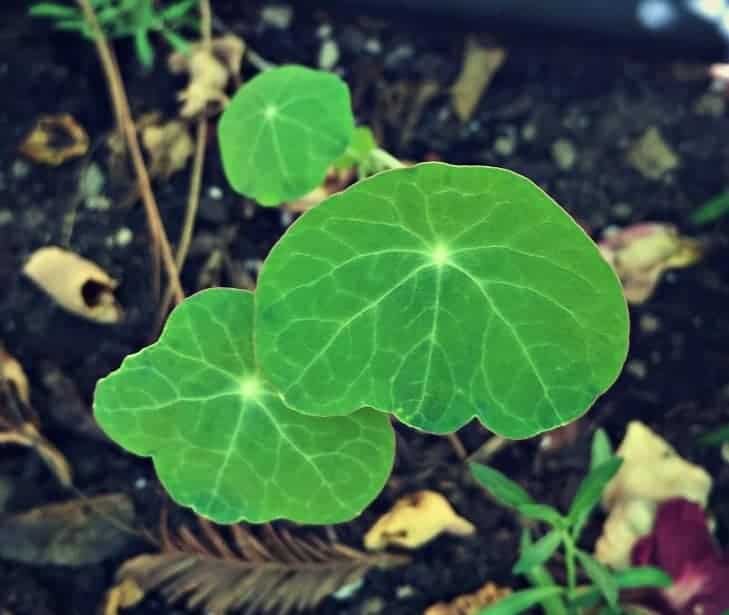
(458, 447)
(123, 115)
(488, 449)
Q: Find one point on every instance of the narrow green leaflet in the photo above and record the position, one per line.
(521, 601)
(544, 513)
(601, 449)
(441, 293)
(501, 487)
(282, 131)
(590, 491)
(539, 552)
(601, 577)
(222, 441)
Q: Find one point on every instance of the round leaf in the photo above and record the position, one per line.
(282, 131)
(440, 293)
(222, 441)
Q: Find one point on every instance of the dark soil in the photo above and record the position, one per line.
(677, 378)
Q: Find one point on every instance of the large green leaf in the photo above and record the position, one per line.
(222, 440)
(440, 293)
(282, 130)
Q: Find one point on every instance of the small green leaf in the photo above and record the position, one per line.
(602, 449)
(539, 576)
(539, 552)
(175, 41)
(543, 513)
(222, 441)
(712, 210)
(716, 437)
(441, 293)
(642, 576)
(282, 131)
(504, 490)
(144, 49)
(590, 491)
(178, 10)
(359, 148)
(521, 601)
(601, 577)
(53, 10)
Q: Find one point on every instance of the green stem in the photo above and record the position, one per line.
(569, 557)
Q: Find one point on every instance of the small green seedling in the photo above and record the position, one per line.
(564, 533)
(136, 19)
(432, 294)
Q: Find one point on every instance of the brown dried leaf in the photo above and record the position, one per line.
(169, 145)
(75, 533)
(75, 283)
(416, 519)
(210, 69)
(55, 139)
(276, 573)
(470, 604)
(479, 66)
(652, 472)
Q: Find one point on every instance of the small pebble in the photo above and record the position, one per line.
(373, 46)
(277, 16)
(564, 154)
(286, 218)
(123, 237)
(347, 591)
(529, 131)
(637, 369)
(649, 323)
(405, 591)
(92, 181)
(6, 217)
(97, 203)
(214, 192)
(20, 169)
(398, 56)
(505, 145)
(652, 156)
(622, 211)
(328, 55)
(140, 483)
(324, 31)
(711, 104)
(373, 606)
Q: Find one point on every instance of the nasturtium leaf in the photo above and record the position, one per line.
(359, 148)
(440, 293)
(282, 131)
(222, 441)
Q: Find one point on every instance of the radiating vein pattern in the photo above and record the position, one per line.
(222, 440)
(277, 140)
(440, 293)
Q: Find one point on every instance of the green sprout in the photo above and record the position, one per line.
(136, 19)
(601, 594)
(432, 294)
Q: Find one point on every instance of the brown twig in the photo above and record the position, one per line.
(125, 123)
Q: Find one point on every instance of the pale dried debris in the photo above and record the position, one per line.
(336, 180)
(651, 156)
(12, 372)
(479, 66)
(75, 283)
(168, 145)
(470, 604)
(27, 435)
(641, 253)
(415, 520)
(55, 139)
(210, 69)
(652, 472)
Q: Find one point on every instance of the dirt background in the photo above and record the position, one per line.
(598, 101)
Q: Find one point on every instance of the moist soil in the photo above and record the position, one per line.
(598, 101)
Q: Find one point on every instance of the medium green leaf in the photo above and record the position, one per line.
(53, 10)
(590, 491)
(222, 441)
(543, 513)
(539, 552)
(282, 131)
(359, 148)
(520, 601)
(642, 576)
(601, 577)
(440, 293)
(145, 51)
(712, 210)
(503, 489)
(602, 449)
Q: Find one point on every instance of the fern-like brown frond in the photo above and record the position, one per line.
(276, 573)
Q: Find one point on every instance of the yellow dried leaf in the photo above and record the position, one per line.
(12, 371)
(122, 596)
(27, 435)
(652, 472)
(416, 519)
(75, 283)
(169, 145)
(479, 66)
(55, 139)
(210, 69)
(470, 604)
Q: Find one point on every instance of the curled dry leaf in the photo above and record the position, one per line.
(122, 596)
(55, 139)
(479, 66)
(26, 434)
(652, 472)
(79, 532)
(210, 69)
(169, 146)
(13, 373)
(75, 283)
(278, 572)
(642, 252)
(416, 519)
(470, 604)
(335, 181)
